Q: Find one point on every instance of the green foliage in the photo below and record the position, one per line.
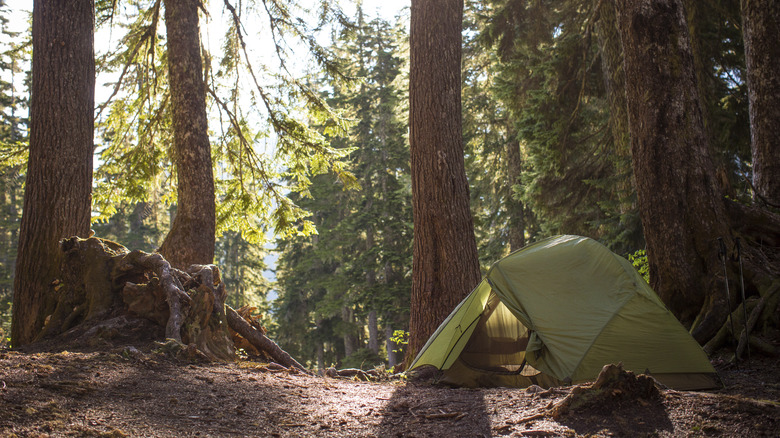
(243, 266)
(137, 226)
(134, 125)
(400, 337)
(358, 261)
(363, 358)
(14, 84)
(549, 79)
(255, 105)
(493, 157)
(639, 260)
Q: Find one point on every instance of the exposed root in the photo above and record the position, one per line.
(108, 293)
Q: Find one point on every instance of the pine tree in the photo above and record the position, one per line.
(494, 159)
(551, 77)
(255, 104)
(58, 182)
(353, 270)
(445, 263)
(14, 82)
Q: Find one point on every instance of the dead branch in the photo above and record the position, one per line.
(259, 340)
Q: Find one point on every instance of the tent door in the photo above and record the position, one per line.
(498, 343)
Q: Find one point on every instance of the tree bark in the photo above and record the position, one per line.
(390, 346)
(350, 340)
(760, 30)
(373, 332)
(514, 205)
(445, 265)
(192, 235)
(681, 208)
(58, 190)
(611, 53)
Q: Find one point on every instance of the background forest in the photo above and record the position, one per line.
(311, 162)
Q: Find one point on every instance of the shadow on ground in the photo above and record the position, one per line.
(423, 410)
(632, 418)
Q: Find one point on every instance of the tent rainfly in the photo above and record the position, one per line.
(554, 313)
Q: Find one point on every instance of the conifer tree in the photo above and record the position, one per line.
(682, 205)
(445, 261)
(59, 171)
(576, 172)
(354, 267)
(760, 27)
(191, 238)
(255, 104)
(14, 82)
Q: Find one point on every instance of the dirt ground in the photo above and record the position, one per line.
(127, 392)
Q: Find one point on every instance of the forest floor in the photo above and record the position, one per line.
(127, 392)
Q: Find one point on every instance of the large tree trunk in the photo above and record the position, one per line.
(445, 265)
(59, 173)
(514, 205)
(373, 332)
(191, 238)
(611, 53)
(760, 29)
(681, 208)
(350, 339)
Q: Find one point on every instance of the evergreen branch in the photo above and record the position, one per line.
(148, 35)
(234, 122)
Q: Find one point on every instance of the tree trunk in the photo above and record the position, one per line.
(59, 172)
(445, 265)
(611, 54)
(191, 238)
(320, 355)
(760, 30)
(514, 205)
(681, 208)
(373, 332)
(392, 357)
(350, 340)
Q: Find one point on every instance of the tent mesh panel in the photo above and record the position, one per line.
(498, 343)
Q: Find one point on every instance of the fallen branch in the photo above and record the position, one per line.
(455, 415)
(531, 418)
(259, 340)
(538, 433)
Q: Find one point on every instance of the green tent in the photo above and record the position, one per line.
(557, 311)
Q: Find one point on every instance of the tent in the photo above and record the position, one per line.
(557, 311)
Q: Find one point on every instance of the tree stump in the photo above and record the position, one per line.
(613, 385)
(109, 294)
